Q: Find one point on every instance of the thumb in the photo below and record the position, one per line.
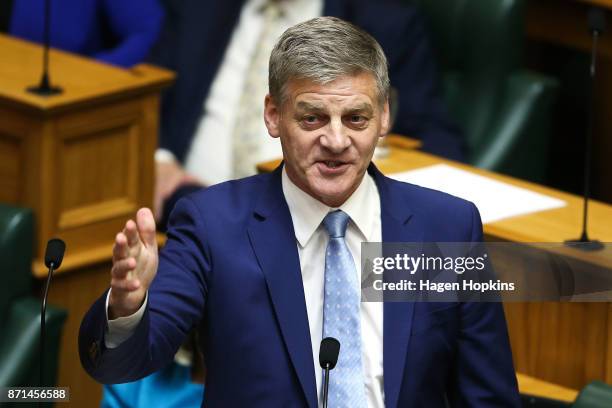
(146, 227)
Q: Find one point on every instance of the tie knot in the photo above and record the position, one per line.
(335, 223)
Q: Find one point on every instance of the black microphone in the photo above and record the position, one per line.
(54, 254)
(44, 88)
(597, 26)
(328, 357)
(597, 20)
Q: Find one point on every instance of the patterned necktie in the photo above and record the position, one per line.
(247, 132)
(341, 318)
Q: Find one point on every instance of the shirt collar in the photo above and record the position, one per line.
(307, 213)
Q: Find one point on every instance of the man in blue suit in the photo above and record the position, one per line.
(265, 266)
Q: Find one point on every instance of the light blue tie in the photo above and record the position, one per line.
(341, 316)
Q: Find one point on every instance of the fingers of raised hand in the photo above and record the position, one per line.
(120, 275)
(120, 249)
(131, 233)
(125, 285)
(146, 227)
(121, 268)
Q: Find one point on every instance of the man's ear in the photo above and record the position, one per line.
(385, 122)
(272, 116)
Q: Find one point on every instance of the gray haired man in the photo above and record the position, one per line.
(266, 266)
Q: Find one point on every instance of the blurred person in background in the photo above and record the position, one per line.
(116, 32)
(211, 120)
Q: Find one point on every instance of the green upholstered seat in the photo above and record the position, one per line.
(595, 395)
(503, 109)
(20, 310)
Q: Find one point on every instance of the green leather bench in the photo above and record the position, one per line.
(504, 110)
(20, 309)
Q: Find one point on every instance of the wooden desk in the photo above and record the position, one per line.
(83, 161)
(538, 388)
(564, 343)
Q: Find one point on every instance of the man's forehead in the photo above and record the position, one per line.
(359, 89)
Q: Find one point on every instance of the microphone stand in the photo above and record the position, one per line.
(326, 386)
(44, 88)
(597, 20)
(43, 312)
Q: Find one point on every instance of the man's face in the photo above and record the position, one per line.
(328, 133)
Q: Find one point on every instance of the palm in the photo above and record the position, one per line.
(146, 262)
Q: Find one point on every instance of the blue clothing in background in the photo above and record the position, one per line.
(170, 387)
(119, 32)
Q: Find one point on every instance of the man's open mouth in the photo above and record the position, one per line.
(333, 164)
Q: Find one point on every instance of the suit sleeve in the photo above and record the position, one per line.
(136, 24)
(176, 302)
(484, 375)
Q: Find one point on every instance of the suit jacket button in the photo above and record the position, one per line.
(94, 351)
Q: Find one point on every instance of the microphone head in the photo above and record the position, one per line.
(597, 20)
(54, 254)
(328, 353)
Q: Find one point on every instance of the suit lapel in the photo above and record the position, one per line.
(273, 240)
(398, 225)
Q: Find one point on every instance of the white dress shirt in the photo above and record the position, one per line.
(210, 155)
(363, 208)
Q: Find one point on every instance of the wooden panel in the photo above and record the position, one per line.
(11, 172)
(99, 160)
(14, 130)
(91, 170)
(96, 168)
(563, 343)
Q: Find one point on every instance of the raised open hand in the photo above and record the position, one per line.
(135, 260)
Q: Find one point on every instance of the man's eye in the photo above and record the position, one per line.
(311, 119)
(357, 120)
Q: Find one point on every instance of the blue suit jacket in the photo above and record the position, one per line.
(231, 267)
(197, 33)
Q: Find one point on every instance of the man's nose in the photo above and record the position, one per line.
(335, 137)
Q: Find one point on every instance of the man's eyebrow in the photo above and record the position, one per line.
(309, 106)
(362, 107)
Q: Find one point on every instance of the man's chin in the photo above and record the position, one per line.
(332, 192)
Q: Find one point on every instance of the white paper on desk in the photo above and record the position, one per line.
(495, 200)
